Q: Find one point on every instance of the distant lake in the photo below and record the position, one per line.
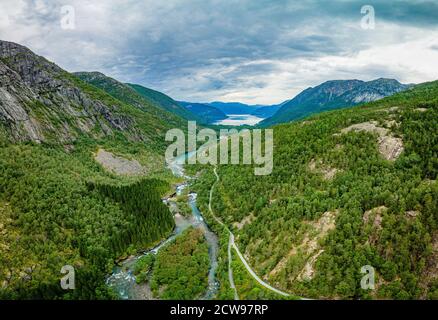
(239, 119)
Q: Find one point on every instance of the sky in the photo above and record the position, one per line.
(252, 51)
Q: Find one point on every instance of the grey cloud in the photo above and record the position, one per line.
(209, 48)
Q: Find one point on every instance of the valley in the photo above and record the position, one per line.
(306, 230)
(84, 182)
(126, 284)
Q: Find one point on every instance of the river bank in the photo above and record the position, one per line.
(123, 280)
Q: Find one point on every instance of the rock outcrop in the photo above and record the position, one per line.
(41, 102)
(390, 147)
(119, 165)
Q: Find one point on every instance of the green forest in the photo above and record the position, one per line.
(334, 202)
(143, 268)
(181, 268)
(147, 218)
(61, 208)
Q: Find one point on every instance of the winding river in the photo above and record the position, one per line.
(122, 279)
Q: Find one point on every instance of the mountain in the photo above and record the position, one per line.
(349, 188)
(208, 113)
(373, 91)
(230, 108)
(267, 111)
(233, 107)
(43, 103)
(125, 93)
(63, 200)
(165, 102)
(334, 94)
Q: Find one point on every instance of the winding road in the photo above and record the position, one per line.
(232, 244)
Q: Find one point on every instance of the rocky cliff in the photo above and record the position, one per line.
(41, 102)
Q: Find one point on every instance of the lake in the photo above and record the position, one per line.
(239, 119)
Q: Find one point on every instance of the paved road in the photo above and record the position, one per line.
(242, 258)
(230, 242)
(230, 269)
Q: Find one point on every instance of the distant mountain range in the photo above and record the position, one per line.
(42, 99)
(212, 112)
(233, 107)
(208, 113)
(330, 95)
(334, 94)
(327, 191)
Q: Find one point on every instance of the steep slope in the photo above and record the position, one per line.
(128, 95)
(208, 113)
(349, 188)
(58, 205)
(164, 101)
(41, 102)
(372, 91)
(267, 111)
(334, 95)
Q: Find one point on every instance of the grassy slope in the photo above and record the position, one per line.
(126, 94)
(164, 102)
(292, 194)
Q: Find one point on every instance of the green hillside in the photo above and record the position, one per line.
(128, 95)
(58, 205)
(349, 188)
(165, 102)
(331, 95)
(208, 113)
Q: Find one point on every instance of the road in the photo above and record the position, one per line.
(232, 244)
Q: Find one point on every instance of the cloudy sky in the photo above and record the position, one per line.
(253, 51)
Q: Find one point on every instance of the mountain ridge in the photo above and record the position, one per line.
(334, 94)
(126, 93)
(164, 101)
(349, 188)
(208, 113)
(41, 102)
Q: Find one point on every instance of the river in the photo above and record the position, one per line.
(122, 279)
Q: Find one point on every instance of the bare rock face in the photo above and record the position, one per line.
(390, 147)
(40, 102)
(310, 246)
(368, 127)
(13, 98)
(376, 213)
(118, 165)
